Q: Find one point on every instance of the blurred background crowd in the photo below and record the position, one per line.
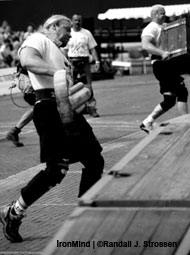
(10, 41)
(118, 36)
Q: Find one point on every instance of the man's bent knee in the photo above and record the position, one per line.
(44, 181)
(182, 94)
(55, 172)
(168, 102)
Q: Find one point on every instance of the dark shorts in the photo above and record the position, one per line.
(81, 68)
(169, 72)
(53, 141)
(30, 98)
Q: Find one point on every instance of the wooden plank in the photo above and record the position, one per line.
(173, 225)
(82, 225)
(112, 229)
(136, 150)
(162, 141)
(154, 173)
(184, 246)
(169, 178)
(105, 181)
(140, 231)
(166, 127)
(121, 231)
(181, 119)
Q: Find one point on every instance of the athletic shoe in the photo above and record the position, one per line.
(94, 114)
(13, 136)
(147, 128)
(11, 223)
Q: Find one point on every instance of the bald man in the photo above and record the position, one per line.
(166, 70)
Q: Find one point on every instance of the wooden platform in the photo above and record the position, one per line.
(143, 200)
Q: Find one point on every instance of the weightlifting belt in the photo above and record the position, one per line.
(42, 94)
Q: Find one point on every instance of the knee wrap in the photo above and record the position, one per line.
(182, 94)
(55, 172)
(168, 103)
(43, 181)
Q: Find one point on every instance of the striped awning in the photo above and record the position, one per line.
(142, 12)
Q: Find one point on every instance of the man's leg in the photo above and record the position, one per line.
(182, 99)
(168, 102)
(182, 108)
(12, 135)
(25, 119)
(167, 73)
(91, 104)
(92, 172)
(12, 214)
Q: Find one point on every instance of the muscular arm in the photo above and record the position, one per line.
(31, 60)
(148, 44)
(94, 54)
(95, 57)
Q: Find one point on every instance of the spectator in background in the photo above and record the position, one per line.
(15, 44)
(1, 38)
(6, 52)
(79, 48)
(8, 33)
(4, 24)
(9, 43)
(29, 31)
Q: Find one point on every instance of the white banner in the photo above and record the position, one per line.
(6, 79)
(6, 74)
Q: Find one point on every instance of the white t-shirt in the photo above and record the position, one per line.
(80, 43)
(50, 53)
(154, 30)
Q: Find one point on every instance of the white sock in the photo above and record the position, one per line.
(148, 120)
(20, 206)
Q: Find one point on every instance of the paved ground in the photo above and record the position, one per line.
(122, 103)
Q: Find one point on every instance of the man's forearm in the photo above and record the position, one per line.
(153, 50)
(95, 55)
